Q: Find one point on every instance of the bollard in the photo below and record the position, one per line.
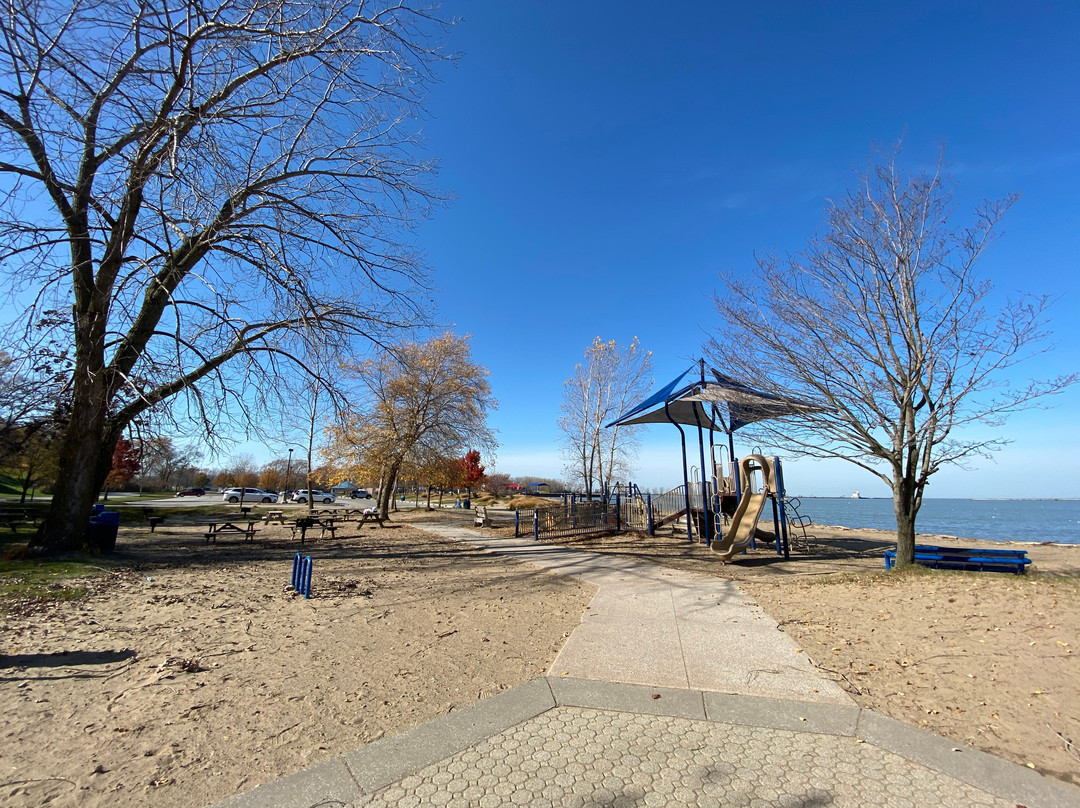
(301, 575)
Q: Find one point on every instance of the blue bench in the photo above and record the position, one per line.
(966, 558)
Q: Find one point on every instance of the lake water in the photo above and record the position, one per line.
(997, 519)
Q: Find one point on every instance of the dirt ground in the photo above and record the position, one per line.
(192, 673)
(988, 659)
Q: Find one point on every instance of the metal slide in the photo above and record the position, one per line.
(744, 522)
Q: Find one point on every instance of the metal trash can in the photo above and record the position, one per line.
(466, 503)
(103, 529)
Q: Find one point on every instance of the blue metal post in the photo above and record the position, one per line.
(517, 522)
(781, 493)
(308, 566)
(536, 524)
(618, 512)
(648, 512)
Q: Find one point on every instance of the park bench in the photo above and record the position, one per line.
(967, 558)
(229, 529)
(481, 518)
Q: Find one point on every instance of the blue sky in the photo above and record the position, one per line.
(609, 159)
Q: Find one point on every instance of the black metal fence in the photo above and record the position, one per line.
(571, 518)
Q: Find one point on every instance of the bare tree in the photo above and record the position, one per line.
(608, 382)
(204, 188)
(422, 401)
(884, 321)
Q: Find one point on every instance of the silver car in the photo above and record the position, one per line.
(247, 495)
(325, 497)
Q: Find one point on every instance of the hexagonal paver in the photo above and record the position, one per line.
(609, 758)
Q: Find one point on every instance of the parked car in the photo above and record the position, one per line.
(360, 493)
(247, 495)
(191, 492)
(325, 497)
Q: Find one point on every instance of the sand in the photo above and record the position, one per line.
(991, 660)
(192, 672)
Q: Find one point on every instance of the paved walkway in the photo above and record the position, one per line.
(673, 691)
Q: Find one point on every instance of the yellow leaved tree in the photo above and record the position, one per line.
(418, 401)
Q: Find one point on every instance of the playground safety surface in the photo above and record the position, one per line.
(672, 691)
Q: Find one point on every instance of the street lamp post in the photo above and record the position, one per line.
(288, 474)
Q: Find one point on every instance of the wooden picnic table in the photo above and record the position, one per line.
(306, 523)
(229, 529)
(12, 518)
(273, 517)
(369, 513)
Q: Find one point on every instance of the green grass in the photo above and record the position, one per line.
(26, 582)
(10, 484)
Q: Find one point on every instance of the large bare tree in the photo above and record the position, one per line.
(192, 192)
(884, 320)
(610, 380)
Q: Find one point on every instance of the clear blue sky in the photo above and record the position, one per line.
(609, 158)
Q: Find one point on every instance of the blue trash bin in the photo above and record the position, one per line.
(466, 503)
(103, 529)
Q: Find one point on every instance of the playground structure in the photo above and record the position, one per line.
(743, 528)
(720, 509)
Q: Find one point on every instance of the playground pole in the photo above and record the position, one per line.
(685, 473)
(781, 494)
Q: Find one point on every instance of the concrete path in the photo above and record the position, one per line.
(672, 691)
(649, 625)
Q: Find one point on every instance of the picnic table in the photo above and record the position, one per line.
(12, 518)
(372, 514)
(229, 529)
(306, 523)
(274, 517)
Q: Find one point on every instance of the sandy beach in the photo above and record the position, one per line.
(987, 659)
(191, 671)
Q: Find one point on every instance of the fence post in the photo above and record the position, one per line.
(536, 524)
(618, 512)
(573, 511)
(648, 513)
(517, 522)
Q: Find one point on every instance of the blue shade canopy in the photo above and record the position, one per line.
(719, 403)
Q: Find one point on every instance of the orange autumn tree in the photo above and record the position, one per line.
(416, 401)
(126, 462)
(472, 471)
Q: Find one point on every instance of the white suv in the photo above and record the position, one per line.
(325, 497)
(247, 495)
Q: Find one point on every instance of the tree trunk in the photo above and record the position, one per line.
(86, 454)
(387, 491)
(27, 481)
(906, 511)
